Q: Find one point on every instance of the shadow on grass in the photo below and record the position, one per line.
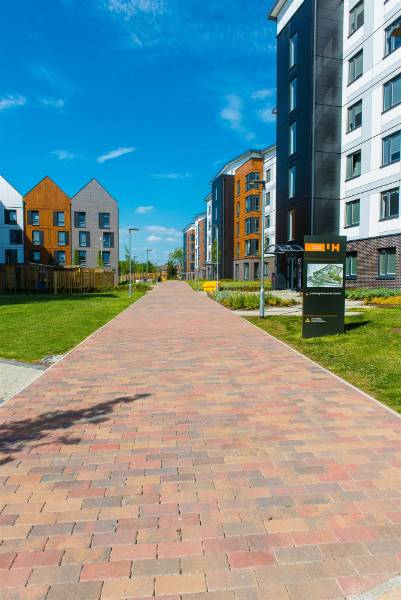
(14, 435)
(350, 326)
(9, 299)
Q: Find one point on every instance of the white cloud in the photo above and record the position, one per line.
(171, 232)
(114, 154)
(129, 8)
(63, 154)
(171, 175)
(153, 238)
(11, 101)
(171, 239)
(232, 115)
(143, 210)
(266, 115)
(52, 102)
(262, 94)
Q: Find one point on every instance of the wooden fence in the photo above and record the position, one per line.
(46, 279)
(124, 278)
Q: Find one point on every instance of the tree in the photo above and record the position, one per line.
(171, 269)
(176, 256)
(100, 262)
(76, 257)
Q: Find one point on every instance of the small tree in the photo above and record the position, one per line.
(100, 262)
(76, 257)
(171, 270)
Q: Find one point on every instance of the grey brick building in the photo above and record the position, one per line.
(95, 227)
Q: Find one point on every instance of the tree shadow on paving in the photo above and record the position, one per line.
(14, 435)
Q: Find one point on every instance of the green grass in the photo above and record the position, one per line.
(34, 326)
(368, 355)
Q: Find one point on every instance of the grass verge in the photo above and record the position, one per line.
(368, 355)
(33, 326)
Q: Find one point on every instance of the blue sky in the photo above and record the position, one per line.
(150, 97)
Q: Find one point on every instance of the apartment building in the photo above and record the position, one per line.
(188, 267)
(94, 227)
(371, 142)
(200, 246)
(259, 166)
(209, 240)
(47, 224)
(339, 94)
(11, 224)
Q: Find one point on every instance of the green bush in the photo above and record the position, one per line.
(136, 287)
(368, 294)
(230, 285)
(248, 301)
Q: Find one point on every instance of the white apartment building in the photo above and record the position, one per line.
(371, 142)
(269, 170)
(209, 240)
(11, 224)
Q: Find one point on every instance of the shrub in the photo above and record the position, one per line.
(248, 301)
(368, 294)
(230, 285)
(389, 301)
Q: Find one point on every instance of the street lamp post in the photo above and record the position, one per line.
(130, 230)
(147, 261)
(262, 255)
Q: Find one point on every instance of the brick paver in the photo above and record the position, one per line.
(182, 453)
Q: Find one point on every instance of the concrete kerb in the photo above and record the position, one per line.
(380, 592)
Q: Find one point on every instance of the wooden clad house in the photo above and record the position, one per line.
(47, 224)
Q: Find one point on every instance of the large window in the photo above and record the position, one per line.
(356, 17)
(106, 259)
(355, 66)
(387, 262)
(391, 148)
(84, 239)
(351, 265)
(60, 257)
(291, 224)
(293, 50)
(82, 257)
(390, 204)
(292, 142)
(354, 119)
(37, 237)
(393, 36)
(237, 209)
(252, 203)
(33, 217)
(250, 181)
(352, 213)
(292, 175)
(108, 240)
(293, 94)
(392, 93)
(58, 218)
(354, 161)
(62, 238)
(251, 247)
(268, 198)
(80, 219)
(104, 220)
(10, 216)
(251, 225)
(36, 256)
(268, 175)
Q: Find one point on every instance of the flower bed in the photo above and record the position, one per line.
(247, 300)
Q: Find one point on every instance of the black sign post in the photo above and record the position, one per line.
(323, 285)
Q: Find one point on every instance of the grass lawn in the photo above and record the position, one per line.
(368, 355)
(34, 326)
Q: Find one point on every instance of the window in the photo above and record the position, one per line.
(237, 249)
(252, 203)
(393, 36)
(293, 50)
(82, 257)
(60, 257)
(251, 247)
(292, 175)
(238, 209)
(351, 265)
(238, 188)
(356, 18)
(108, 240)
(237, 229)
(293, 94)
(37, 237)
(11, 257)
(80, 219)
(33, 217)
(355, 67)
(250, 181)
(15, 236)
(291, 224)
(237, 271)
(392, 93)
(387, 263)
(352, 212)
(62, 238)
(354, 116)
(106, 259)
(58, 219)
(84, 239)
(389, 204)
(255, 271)
(10, 216)
(268, 198)
(104, 220)
(292, 143)
(267, 222)
(354, 165)
(246, 271)
(268, 175)
(391, 148)
(36, 256)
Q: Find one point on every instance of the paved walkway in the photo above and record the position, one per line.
(180, 453)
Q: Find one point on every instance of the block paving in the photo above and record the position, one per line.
(180, 453)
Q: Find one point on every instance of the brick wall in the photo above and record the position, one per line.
(368, 261)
